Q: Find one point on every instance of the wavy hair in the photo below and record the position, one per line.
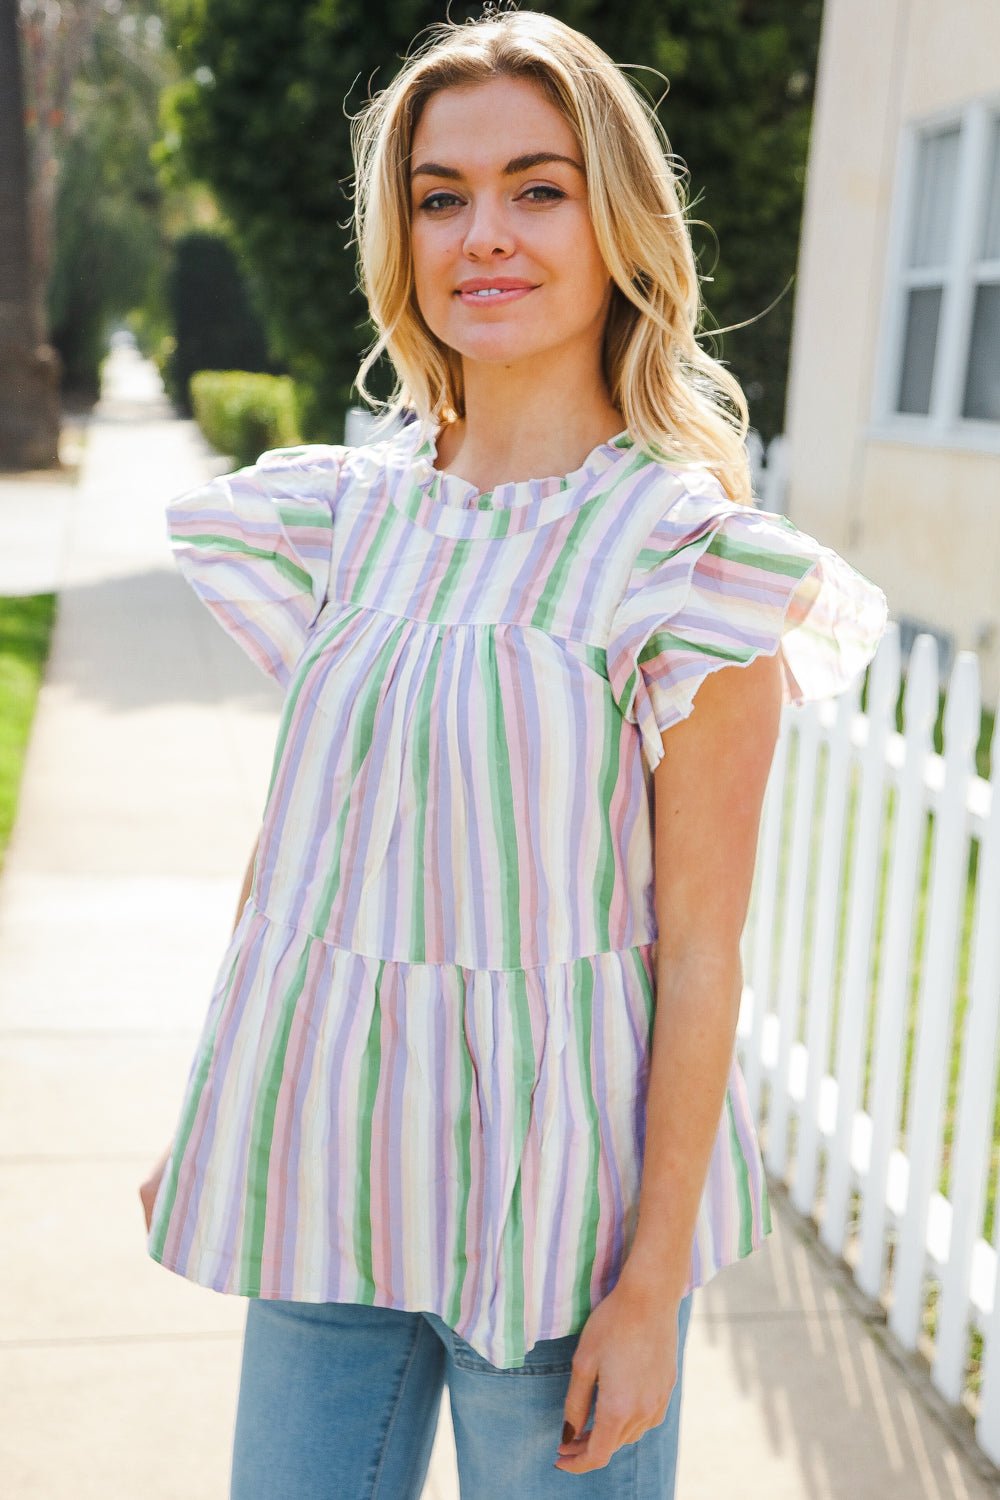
(677, 401)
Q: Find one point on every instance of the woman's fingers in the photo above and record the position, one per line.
(150, 1187)
(579, 1396)
(613, 1428)
(148, 1196)
(627, 1353)
(595, 1447)
(605, 1437)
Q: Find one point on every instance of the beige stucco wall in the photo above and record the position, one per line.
(924, 522)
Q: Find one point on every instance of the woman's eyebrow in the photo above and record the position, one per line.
(516, 164)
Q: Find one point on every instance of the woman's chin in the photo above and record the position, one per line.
(500, 348)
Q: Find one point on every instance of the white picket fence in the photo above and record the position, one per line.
(769, 470)
(878, 869)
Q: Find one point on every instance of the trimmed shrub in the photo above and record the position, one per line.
(214, 322)
(243, 414)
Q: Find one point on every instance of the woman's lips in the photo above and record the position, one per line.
(493, 299)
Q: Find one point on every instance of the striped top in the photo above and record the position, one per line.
(421, 1078)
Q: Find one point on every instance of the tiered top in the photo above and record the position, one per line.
(451, 921)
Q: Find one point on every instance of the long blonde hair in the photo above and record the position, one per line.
(676, 399)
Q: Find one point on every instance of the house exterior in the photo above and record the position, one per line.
(893, 418)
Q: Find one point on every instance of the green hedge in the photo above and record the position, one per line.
(243, 414)
(211, 314)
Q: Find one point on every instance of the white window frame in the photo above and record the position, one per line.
(943, 426)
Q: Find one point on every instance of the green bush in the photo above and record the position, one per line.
(212, 315)
(243, 414)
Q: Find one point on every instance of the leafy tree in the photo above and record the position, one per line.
(262, 116)
(738, 111)
(55, 39)
(109, 254)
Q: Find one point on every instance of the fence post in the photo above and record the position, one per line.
(807, 736)
(937, 989)
(883, 688)
(973, 1130)
(919, 713)
(763, 932)
(820, 985)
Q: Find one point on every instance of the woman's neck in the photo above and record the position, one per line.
(508, 434)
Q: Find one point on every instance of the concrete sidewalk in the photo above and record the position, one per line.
(144, 785)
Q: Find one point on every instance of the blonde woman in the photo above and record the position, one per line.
(466, 1108)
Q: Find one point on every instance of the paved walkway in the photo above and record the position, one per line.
(118, 1380)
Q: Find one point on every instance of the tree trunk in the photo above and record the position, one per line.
(29, 368)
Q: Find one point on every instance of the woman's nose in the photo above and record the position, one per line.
(489, 231)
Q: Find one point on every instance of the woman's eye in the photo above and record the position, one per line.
(438, 200)
(554, 192)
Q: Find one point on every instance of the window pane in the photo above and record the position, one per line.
(922, 308)
(991, 229)
(933, 198)
(982, 388)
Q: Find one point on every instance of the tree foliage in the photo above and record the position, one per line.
(215, 325)
(262, 116)
(96, 113)
(109, 250)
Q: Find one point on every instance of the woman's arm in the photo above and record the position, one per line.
(150, 1187)
(247, 882)
(708, 792)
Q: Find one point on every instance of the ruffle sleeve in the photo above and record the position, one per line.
(256, 547)
(717, 584)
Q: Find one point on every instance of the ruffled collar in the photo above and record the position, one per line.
(452, 506)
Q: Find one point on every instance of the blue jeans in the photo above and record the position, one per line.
(340, 1401)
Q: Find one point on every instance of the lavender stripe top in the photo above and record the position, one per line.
(421, 1078)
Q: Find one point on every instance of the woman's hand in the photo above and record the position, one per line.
(628, 1345)
(149, 1189)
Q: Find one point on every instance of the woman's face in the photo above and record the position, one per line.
(498, 200)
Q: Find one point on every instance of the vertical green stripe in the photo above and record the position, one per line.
(521, 1083)
(647, 989)
(463, 1161)
(168, 1191)
(582, 980)
(604, 868)
(262, 1135)
(384, 538)
(368, 1079)
(365, 717)
(496, 763)
(319, 645)
(453, 579)
(742, 1182)
(624, 698)
(560, 572)
(577, 544)
(421, 760)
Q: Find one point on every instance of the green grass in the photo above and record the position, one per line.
(25, 633)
